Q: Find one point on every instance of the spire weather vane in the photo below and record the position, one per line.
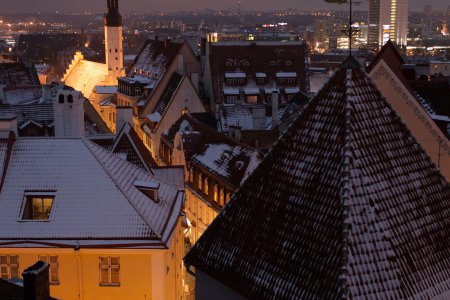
(349, 31)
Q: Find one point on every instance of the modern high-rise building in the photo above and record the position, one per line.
(388, 20)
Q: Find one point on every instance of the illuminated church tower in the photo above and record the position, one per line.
(113, 42)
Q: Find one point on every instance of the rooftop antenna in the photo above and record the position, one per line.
(348, 30)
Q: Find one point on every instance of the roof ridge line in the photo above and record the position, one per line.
(85, 141)
(345, 183)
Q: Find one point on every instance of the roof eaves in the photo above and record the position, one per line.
(9, 149)
(118, 186)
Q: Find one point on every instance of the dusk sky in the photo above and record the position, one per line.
(21, 6)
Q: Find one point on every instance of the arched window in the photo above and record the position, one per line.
(200, 181)
(116, 50)
(70, 99)
(206, 186)
(222, 197)
(61, 98)
(216, 193)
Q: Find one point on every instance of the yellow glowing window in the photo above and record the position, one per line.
(53, 273)
(9, 267)
(38, 207)
(109, 271)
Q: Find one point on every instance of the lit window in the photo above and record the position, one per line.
(38, 207)
(9, 267)
(216, 193)
(200, 181)
(222, 197)
(109, 269)
(227, 197)
(52, 261)
(252, 99)
(206, 186)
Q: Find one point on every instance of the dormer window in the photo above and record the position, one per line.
(148, 188)
(38, 206)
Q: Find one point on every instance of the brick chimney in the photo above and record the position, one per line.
(36, 282)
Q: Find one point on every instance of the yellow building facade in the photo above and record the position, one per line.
(133, 274)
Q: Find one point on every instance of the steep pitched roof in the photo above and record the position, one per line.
(97, 202)
(346, 203)
(168, 93)
(255, 59)
(128, 142)
(390, 54)
(18, 74)
(85, 76)
(218, 154)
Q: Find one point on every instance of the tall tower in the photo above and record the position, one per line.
(388, 19)
(113, 42)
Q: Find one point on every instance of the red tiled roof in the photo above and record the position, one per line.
(347, 203)
(391, 56)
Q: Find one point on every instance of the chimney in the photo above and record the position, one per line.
(180, 69)
(9, 124)
(259, 117)
(274, 109)
(124, 115)
(68, 113)
(36, 282)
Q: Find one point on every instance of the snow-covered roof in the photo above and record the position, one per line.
(242, 116)
(286, 74)
(235, 75)
(154, 117)
(230, 91)
(108, 89)
(86, 75)
(151, 63)
(77, 171)
(346, 205)
(440, 118)
(252, 61)
(218, 154)
(14, 74)
(292, 90)
(23, 95)
(252, 91)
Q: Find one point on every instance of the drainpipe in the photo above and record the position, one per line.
(80, 275)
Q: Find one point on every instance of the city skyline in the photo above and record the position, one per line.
(29, 6)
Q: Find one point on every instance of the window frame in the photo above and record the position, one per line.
(9, 266)
(109, 267)
(28, 196)
(52, 266)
